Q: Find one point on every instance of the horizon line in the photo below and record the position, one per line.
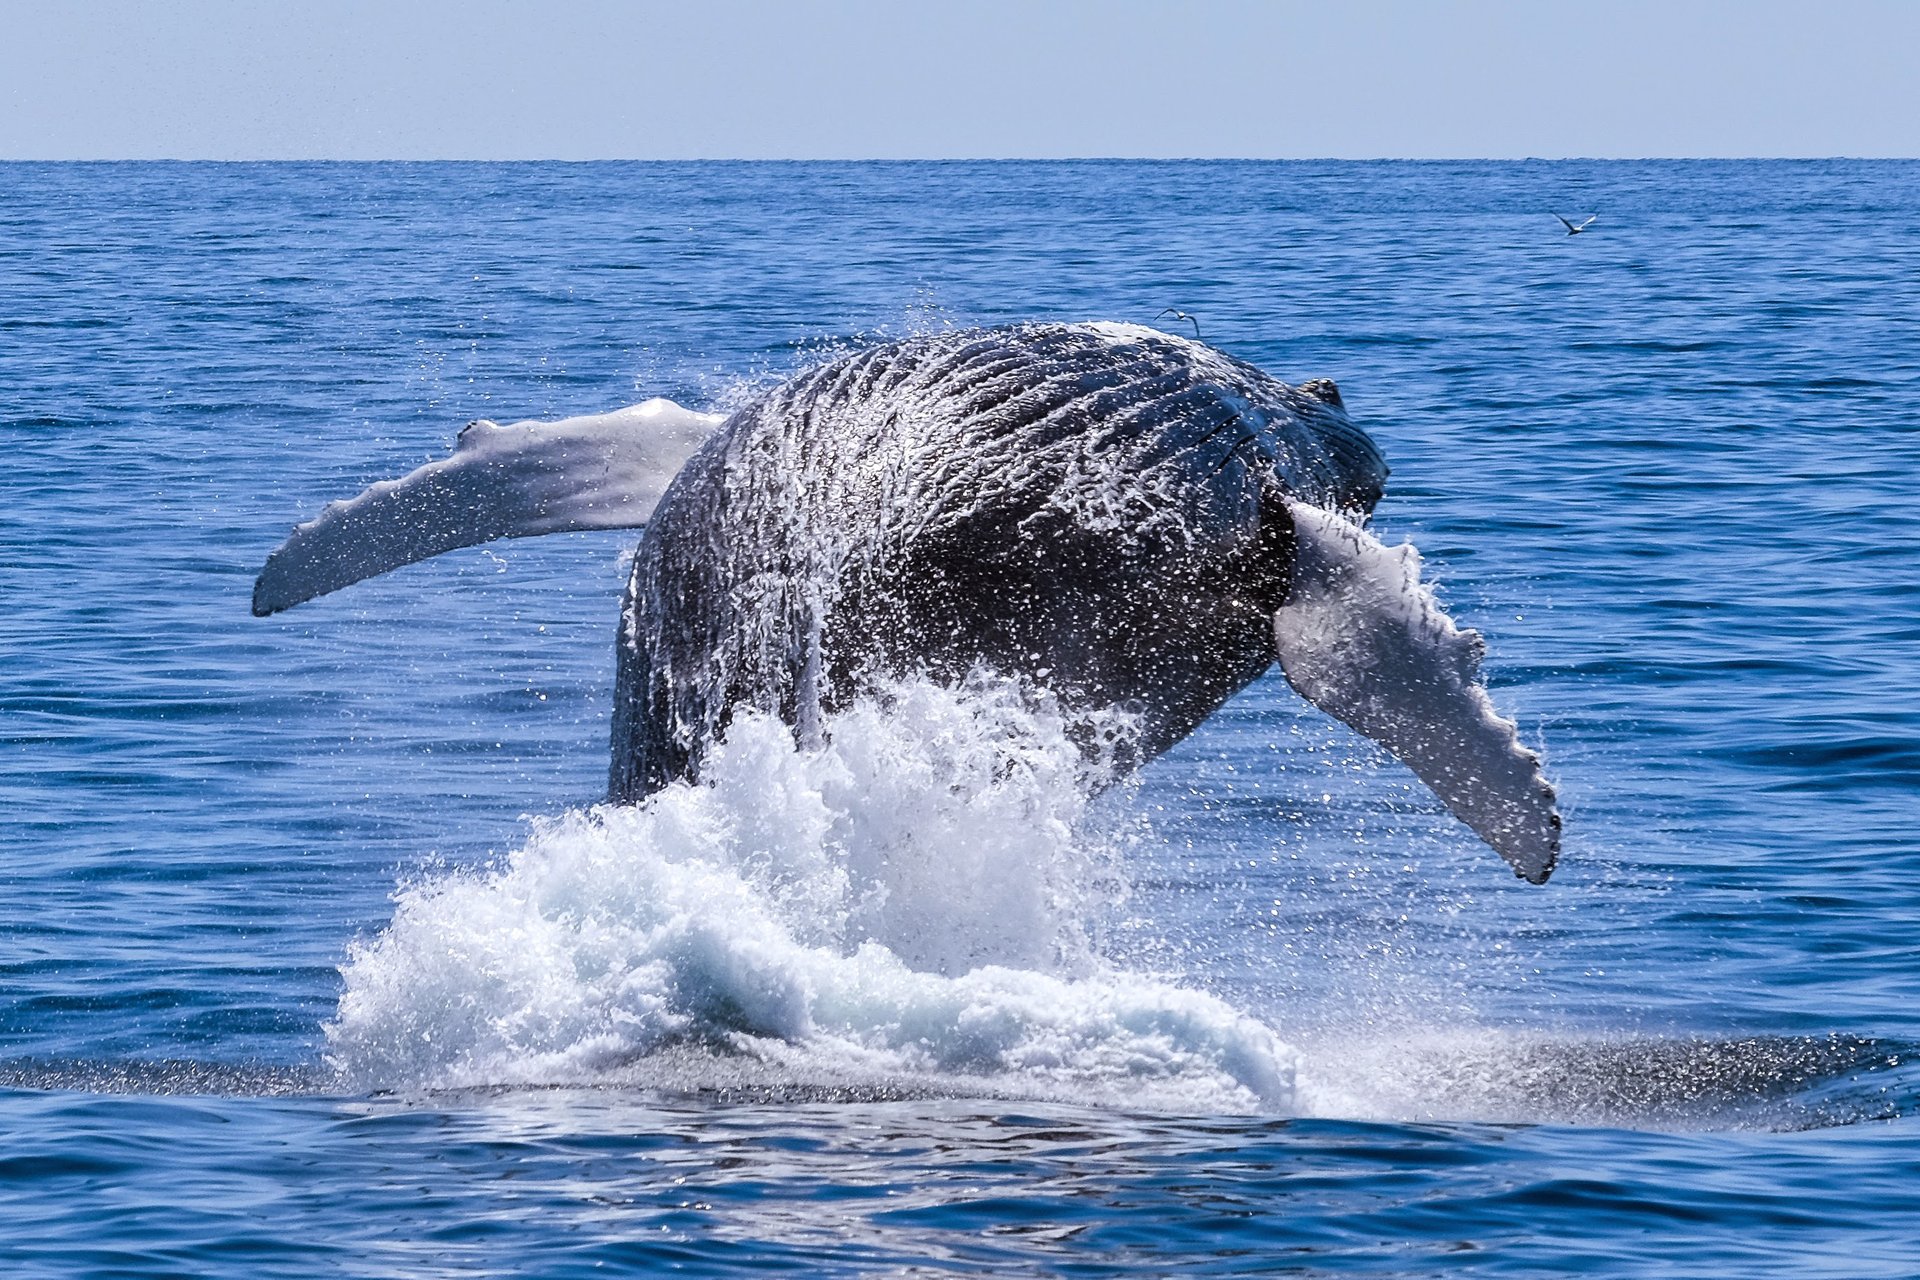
(983, 159)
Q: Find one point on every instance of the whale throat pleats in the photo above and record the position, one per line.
(606, 471)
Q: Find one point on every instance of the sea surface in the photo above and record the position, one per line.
(318, 958)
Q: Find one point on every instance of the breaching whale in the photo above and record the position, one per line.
(1123, 517)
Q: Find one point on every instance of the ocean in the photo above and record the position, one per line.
(321, 958)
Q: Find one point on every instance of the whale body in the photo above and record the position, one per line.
(1131, 521)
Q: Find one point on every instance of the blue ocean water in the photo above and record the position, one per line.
(1663, 466)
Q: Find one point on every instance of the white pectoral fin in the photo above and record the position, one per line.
(606, 471)
(1363, 639)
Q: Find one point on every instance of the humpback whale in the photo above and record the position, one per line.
(1122, 517)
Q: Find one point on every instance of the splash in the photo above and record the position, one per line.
(1520, 1076)
(915, 902)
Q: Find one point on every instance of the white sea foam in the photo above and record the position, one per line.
(911, 903)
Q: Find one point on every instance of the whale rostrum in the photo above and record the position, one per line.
(1124, 518)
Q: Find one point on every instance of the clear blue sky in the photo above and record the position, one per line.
(583, 79)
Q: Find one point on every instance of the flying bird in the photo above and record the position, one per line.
(1573, 230)
(1181, 315)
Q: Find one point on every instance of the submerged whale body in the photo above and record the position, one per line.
(1123, 518)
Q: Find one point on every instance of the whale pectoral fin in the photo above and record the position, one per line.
(1362, 638)
(606, 471)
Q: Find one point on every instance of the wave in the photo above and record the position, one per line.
(915, 903)
(920, 908)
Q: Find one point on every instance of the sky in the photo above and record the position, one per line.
(822, 79)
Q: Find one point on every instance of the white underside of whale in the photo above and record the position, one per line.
(1364, 639)
(601, 471)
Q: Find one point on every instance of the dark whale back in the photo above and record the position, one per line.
(1093, 507)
